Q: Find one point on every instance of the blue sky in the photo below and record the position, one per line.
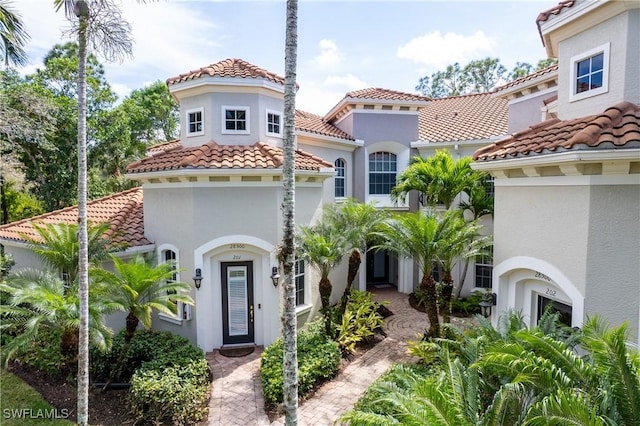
(342, 45)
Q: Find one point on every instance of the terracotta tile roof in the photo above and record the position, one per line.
(162, 147)
(385, 95)
(214, 156)
(122, 210)
(228, 68)
(459, 118)
(555, 10)
(308, 122)
(530, 77)
(618, 126)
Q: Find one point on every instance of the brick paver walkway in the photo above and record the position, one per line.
(236, 393)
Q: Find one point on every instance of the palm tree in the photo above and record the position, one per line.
(57, 246)
(40, 301)
(356, 221)
(323, 246)
(99, 23)
(13, 36)
(439, 178)
(139, 288)
(462, 241)
(289, 319)
(419, 235)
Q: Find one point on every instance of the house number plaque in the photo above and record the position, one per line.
(543, 276)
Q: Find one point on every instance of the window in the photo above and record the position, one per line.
(274, 123)
(590, 73)
(235, 120)
(489, 187)
(195, 125)
(339, 180)
(183, 312)
(484, 270)
(299, 280)
(382, 173)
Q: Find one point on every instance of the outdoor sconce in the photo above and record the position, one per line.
(275, 276)
(197, 278)
(489, 301)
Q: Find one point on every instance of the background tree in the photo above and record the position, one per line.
(13, 36)
(483, 75)
(442, 84)
(289, 321)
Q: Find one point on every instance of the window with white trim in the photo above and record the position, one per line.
(590, 73)
(340, 179)
(195, 123)
(235, 119)
(171, 257)
(484, 270)
(382, 172)
(274, 123)
(299, 280)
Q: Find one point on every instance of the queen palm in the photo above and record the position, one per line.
(40, 301)
(139, 289)
(421, 236)
(357, 222)
(323, 247)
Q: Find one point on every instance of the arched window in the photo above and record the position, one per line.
(168, 254)
(340, 179)
(382, 172)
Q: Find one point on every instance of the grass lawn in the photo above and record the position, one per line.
(21, 405)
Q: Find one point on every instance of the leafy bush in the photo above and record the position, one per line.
(469, 305)
(44, 354)
(318, 361)
(359, 322)
(149, 350)
(176, 393)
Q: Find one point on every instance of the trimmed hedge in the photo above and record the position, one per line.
(318, 361)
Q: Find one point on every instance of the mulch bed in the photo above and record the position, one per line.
(109, 408)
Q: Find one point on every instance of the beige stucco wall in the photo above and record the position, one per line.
(622, 32)
(22, 256)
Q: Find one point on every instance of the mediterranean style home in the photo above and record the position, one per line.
(566, 225)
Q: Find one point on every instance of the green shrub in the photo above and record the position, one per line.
(178, 394)
(44, 353)
(318, 361)
(469, 305)
(149, 350)
(359, 322)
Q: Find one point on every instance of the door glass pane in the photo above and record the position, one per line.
(238, 306)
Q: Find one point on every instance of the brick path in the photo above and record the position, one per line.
(236, 393)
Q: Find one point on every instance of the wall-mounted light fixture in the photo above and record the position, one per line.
(489, 301)
(197, 278)
(275, 276)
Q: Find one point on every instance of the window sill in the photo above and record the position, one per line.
(190, 135)
(174, 320)
(303, 309)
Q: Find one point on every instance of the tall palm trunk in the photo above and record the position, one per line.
(447, 290)
(462, 278)
(325, 296)
(289, 321)
(354, 267)
(132, 322)
(81, 10)
(428, 285)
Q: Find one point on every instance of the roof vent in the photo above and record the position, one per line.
(455, 113)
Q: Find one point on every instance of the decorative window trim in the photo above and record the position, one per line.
(484, 263)
(340, 178)
(162, 250)
(300, 275)
(371, 173)
(224, 129)
(573, 63)
(188, 121)
(279, 114)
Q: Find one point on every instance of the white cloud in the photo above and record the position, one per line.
(330, 56)
(347, 82)
(437, 50)
(318, 96)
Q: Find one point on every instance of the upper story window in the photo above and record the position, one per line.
(590, 73)
(299, 280)
(340, 180)
(382, 173)
(235, 119)
(195, 123)
(274, 123)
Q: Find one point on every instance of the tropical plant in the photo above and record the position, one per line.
(323, 247)
(289, 319)
(39, 302)
(421, 236)
(57, 246)
(139, 289)
(13, 36)
(360, 321)
(440, 178)
(357, 222)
